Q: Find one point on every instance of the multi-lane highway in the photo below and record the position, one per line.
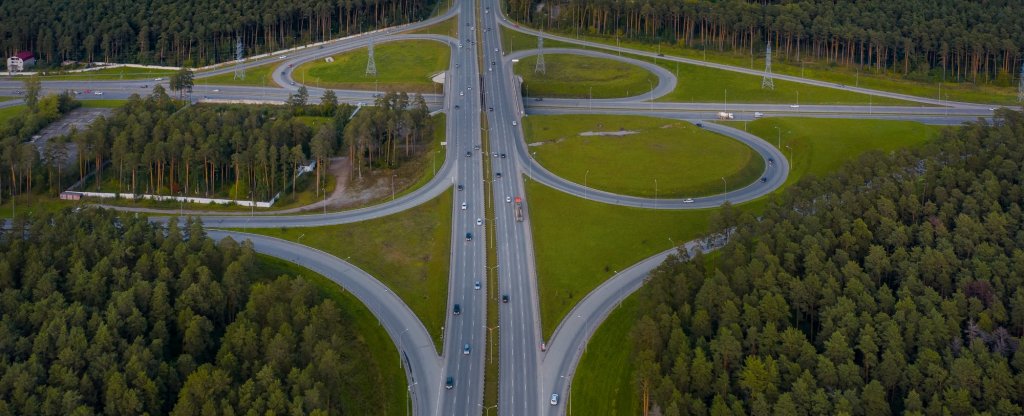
(480, 85)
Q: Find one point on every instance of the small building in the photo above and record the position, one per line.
(20, 61)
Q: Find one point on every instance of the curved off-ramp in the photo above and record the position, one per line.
(666, 80)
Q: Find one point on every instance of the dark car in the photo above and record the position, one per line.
(490, 108)
(449, 383)
(702, 125)
(771, 160)
(469, 154)
(763, 180)
(469, 236)
(457, 309)
(460, 187)
(538, 99)
(502, 155)
(504, 298)
(498, 175)
(456, 106)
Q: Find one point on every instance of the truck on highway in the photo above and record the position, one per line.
(722, 115)
(519, 209)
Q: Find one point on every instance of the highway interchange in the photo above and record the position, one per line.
(527, 375)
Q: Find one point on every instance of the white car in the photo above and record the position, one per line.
(97, 92)
(462, 93)
(508, 199)
(465, 349)
(476, 285)
(514, 123)
(463, 205)
(216, 90)
(158, 79)
(794, 106)
(495, 49)
(479, 221)
(554, 399)
(688, 201)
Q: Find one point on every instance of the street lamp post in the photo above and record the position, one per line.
(778, 143)
(590, 102)
(792, 163)
(651, 84)
(725, 185)
(655, 192)
(325, 200)
(393, 186)
(585, 183)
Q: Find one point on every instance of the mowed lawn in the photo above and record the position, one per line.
(681, 159)
(6, 113)
(603, 384)
(701, 84)
(409, 252)
(579, 244)
(575, 76)
(818, 146)
(259, 76)
(401, 66)
(111, 74)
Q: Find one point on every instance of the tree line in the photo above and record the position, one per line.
(389, 133)
(186, 32)
(110, 314)
(945, 39)
(156, 145)
(893, 286)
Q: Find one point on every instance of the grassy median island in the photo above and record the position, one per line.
(389, 378)
(401, 66)
(409, 252)
(447, 27)
(579, 244)
(685, 160)
(572, 76)
(257, 76)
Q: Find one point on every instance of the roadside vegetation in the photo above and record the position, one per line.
(603, 382)
(658, 158)
(257, 76)
(409, 252)
(576, 76)
(401, 66)
(109, 74)
(447, 27)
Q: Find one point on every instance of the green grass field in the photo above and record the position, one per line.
(513, 41)
(7, 113)
(409, 252)
(401, 66)
(701, 84)
(389, 376)
(867, 78)
(2, 99)
(603, 384)
(110, 74)
(685, 160)
(575, 76)
(818, 146)
(259, 76)
(448, 27)
(577, 252)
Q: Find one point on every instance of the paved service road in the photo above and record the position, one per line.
(423, 366)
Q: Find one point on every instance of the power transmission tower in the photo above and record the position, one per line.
(540, 69)
(371, 66)
(766, 80)
(1020, 85)
(239, 52)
